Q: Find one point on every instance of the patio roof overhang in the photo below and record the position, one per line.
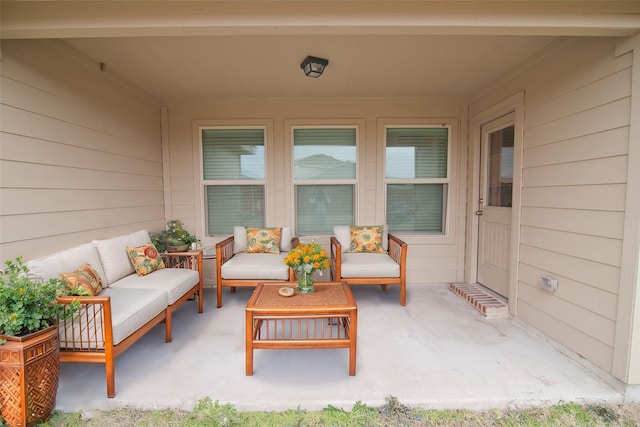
(70, 19)
(209, 49)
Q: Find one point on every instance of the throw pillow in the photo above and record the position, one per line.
(263, 240)
(145, 259)
(366, 239)
(85, 279)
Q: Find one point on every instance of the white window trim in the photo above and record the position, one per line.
(449, 233)
(290, 125)
(200, 184)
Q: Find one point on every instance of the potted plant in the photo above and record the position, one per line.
(29, 345)
(174, 238)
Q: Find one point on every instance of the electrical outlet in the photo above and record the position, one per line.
(548, 283)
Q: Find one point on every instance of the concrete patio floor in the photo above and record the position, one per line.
(437, 352)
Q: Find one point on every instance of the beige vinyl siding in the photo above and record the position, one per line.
(80, 153)
(577, 103)
(433, 259)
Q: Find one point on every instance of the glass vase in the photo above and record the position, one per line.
(305, 282)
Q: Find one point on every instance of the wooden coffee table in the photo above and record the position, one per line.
(326, 318)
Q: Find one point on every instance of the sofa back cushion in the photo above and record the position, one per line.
(50, 266)
(113, 254)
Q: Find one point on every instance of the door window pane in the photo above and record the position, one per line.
(500, 179)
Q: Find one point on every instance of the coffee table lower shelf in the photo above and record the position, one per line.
(326, 318)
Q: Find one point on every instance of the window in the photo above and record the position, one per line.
(500, 171)
(324, 178)
(233, 176)
(417, 178)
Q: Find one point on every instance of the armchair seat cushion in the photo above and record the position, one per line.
(255, 266)
(369, 265)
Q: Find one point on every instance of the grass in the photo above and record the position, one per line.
(392, 413)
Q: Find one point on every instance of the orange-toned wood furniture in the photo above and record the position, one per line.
(89, 335)
(326, 318)
(372, 269)
(254, 263)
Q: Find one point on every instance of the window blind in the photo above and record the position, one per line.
(417, 152)
(229, 205)
(233, 154)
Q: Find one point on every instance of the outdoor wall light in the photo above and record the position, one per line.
(313, 67)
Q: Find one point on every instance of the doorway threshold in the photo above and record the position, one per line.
(481, 299)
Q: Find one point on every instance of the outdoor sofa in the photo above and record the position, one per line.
(126, 305)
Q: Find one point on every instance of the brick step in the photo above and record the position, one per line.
(483, 301)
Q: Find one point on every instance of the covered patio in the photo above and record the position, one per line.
(103, 109)
(438, 352)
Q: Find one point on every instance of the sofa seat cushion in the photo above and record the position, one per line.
(256, 266)
(369, 265)
(174, 281)
(49, 267)
(130, 309)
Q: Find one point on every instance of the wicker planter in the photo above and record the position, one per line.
(29, 372)
(182, 248)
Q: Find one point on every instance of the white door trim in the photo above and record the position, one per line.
(515, 104)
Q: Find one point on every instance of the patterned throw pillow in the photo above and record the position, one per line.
(366, 239)
(85, 280)
(263, 240)
(145, 259)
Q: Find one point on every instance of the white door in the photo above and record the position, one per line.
(494, 214)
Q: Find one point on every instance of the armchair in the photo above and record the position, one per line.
(237, 267)
(369, 268)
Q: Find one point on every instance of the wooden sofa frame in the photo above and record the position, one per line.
(397, 251)
(224, 252)
(98, 347)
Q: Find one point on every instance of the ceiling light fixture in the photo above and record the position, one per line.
(313, 67)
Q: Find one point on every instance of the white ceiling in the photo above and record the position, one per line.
(269, 65)
(253, 48)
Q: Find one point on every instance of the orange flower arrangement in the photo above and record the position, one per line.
(307, 258)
